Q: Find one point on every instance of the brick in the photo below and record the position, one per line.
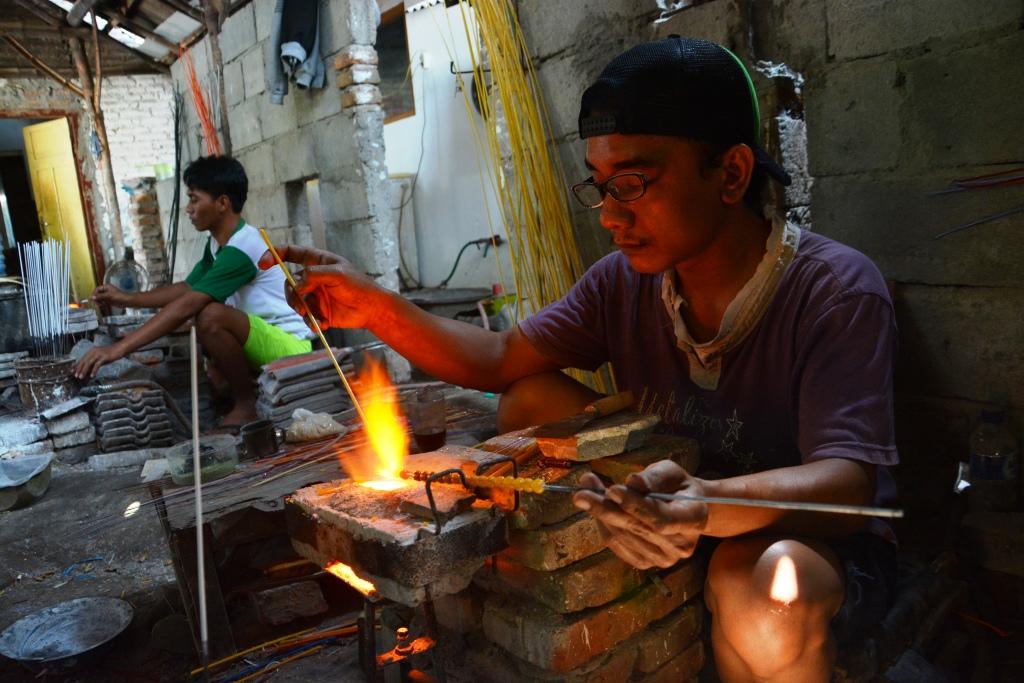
(263, 11)
(358, 73)
(74, 455)
(460, 612)
(68, 423)
(151, 357)
(893, 221)
(253, 75)
(790, 32)
(945, 95)
(685, 666)
(234, 84)
(572, 26)
(682, 450)
(77, 438)
(555, 546)
(317, 104)
(277, 119)
(284, 604)
(355, 54)
(601, 438)
(269, 206)
(258, 163)
(293, 156)
(238, 34)
(664, 640)
(244, 119)
(995, 540)
(853, 118)
(564, 642)
(939, 363)
(495, 665)
(873, 27)
(591, 582)
(360, 95)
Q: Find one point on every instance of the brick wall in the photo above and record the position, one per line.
(899, 98)
(140, 126)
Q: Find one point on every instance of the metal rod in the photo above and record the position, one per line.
(833, 508)
(316, 327)
(197, 481)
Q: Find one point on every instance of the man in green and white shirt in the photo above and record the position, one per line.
(242, 318)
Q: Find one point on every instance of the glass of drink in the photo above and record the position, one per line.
(427, 418)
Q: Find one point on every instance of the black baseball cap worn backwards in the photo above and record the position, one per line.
(683, 87)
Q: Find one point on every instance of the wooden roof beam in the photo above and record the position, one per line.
(43, 68)
(45, 30)
(79, 10)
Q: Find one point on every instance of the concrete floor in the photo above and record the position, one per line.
(75, 542)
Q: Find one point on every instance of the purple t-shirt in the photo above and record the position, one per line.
(812, 379)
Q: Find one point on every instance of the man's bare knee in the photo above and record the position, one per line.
(541, 398)
(756, 587)
(210, 318)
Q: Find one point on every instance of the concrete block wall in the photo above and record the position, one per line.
(899, 98)
(313, 134)
(310, 135)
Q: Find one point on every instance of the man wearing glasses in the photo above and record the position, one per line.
(772, 346)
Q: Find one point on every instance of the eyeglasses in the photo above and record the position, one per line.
(625, 187)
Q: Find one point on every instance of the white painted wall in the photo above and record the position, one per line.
(449, 203)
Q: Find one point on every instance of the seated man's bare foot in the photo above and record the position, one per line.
(233, 421)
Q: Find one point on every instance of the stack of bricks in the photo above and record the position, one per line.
(557, 605)
(358, 77)
(147, 236)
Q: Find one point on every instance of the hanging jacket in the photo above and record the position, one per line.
(295, 48)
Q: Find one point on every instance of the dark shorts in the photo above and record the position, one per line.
(869, 562)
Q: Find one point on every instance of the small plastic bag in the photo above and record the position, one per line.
(310, 426)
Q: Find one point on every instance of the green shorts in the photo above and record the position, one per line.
(267, 343)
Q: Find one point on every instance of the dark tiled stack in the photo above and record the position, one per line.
(308, 381)
(136, 418)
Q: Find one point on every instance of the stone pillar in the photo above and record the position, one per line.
(146, 235)
(377, 231)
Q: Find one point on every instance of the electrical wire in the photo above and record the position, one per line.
(175, 213)
(525, 174)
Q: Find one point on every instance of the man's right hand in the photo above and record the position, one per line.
(109, 294)
(330, 287)
(642, 531)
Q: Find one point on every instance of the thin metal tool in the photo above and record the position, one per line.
(834, 508)
(535, 485)
(316, 327)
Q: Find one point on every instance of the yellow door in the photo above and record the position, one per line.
(51, 165)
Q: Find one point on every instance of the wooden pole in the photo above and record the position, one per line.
(99, 67)
(43, 68)
(213, 23)
(116, 231)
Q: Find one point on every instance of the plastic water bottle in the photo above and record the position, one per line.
(994, 465)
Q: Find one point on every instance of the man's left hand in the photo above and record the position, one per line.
(645, 532)
(94, 359)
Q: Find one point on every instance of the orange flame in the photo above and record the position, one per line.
(346, 574)
(388, 442)
(784, 583)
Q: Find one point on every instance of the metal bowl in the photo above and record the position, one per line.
(62, 633)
